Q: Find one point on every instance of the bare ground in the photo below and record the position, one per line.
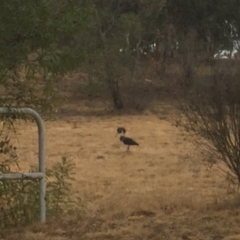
(159, 190)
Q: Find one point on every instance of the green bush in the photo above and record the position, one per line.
(19, 199)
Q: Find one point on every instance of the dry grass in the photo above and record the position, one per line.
(159, 190)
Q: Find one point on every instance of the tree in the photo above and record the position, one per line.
(37, 43)
(211, 110)
(120, 31)
(36, 46)
(201, 29)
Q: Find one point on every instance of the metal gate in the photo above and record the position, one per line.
(41, 158)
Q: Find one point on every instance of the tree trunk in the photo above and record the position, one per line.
(188, 55)
(112, 82)
(110, 74)
(116, 95)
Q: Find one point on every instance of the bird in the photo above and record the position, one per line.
(121, 130)
(128, 141)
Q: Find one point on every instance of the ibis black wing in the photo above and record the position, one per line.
(129, 141)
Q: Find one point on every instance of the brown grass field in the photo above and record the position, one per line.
(159, 190)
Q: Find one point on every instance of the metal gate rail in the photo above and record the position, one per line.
(41, 158)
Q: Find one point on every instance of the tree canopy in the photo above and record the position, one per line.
(42, 39)
(36, 39)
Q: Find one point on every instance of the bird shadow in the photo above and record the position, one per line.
(126, 153)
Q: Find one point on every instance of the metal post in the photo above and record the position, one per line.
(41, 157)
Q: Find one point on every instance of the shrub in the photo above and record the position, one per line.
(19, 199)
(212, 112)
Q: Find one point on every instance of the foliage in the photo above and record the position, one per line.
(124, 33)
(19, 202)
(35, 42)
(215, 21)
(38, 43)
(212, 113)
(107, 39)
(59, 186)
(119, 32)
